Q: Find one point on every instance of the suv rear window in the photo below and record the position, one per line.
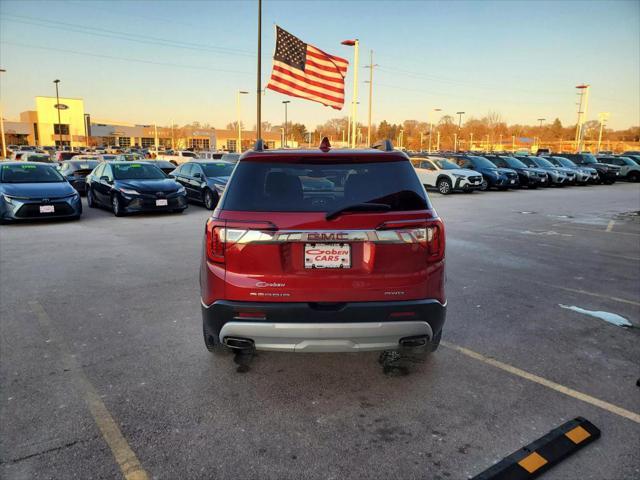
(314, 187)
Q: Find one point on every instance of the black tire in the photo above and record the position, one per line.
(210, 199)
(468, 191)
(633, 177)
(178, 211)
(532, 187)
(484, 186)
(211, 342)
(91, 202)
(116, 207)
(444, 186)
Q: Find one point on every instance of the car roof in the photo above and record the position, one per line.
(26, 163)
(209, 162)
(361, 155)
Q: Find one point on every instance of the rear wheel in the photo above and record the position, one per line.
(633, 177)
(210, 199)
(444, 186)
(484, 186)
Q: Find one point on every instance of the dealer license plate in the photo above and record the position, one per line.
(512, 182)
(162, 202)
(47, 209)
(327, 255)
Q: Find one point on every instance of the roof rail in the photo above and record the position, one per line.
(259, 146)
(384, 145)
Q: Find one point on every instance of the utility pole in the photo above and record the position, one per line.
(421, 135)
(4, 143)
(155, 127)
(582, 113)
(431, 126)
(286, 103)
(459, 128)
(603, 117)
(513, 143)
(370, 67)
(438, 141)
(58, 108)
(455, 142)
(239, 144)
(470, 140)
(173, 142)
(354, 109)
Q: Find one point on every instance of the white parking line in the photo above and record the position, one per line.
(610, 225)
(125, 458)
(609, 407)
(599, 295)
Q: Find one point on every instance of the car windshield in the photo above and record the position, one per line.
(189, 154)
(565, 162)
(482, 162)
(163, 164)
(130, 157)
(446, 165)
(543, 162)
(588, 158)
(83, 164)
(39, 158)
(108, 157)
(30, 173)
(313, 187)
(514, 162)
(217, 169)
(230, 157)
(137, 171)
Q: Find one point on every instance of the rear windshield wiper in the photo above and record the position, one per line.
(358, 207)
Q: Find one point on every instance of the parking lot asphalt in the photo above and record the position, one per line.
(104, 374)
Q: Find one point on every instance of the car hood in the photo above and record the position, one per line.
(151, 186)
(217, 180)
(463, 171)
(37, 190)
(506, 170)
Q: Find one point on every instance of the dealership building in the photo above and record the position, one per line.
(64, 122)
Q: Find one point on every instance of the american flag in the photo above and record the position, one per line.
(304, 71)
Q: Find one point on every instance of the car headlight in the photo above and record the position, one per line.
(457, 175)
(181, 190)
(129, 191)
(8, 199)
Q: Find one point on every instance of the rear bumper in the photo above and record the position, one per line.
(309, 327)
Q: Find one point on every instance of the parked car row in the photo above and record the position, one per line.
(125, 183)
(31, 190)
(449, 172)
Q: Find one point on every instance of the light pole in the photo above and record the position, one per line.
(459, 128)
(4, 143)
(470, 140)
(540, 130)
(603, 117)
(582, 113)
(370, 67)
(286, 103)
(239, 143)
(354, 43)
(87, 128)
(58, 108)
(431, 126)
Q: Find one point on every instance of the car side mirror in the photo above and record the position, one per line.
(171, 176)
(197, 175)
(104, 178)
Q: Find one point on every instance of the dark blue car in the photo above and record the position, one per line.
(204, 181)
(31, 190)
(128, 187)
(492, 176)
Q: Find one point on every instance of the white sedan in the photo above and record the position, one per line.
(446, 176)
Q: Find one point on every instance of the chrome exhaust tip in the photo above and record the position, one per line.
(239, 343)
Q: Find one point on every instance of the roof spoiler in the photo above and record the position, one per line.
(384, 145)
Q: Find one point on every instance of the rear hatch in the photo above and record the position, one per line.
(327, 229)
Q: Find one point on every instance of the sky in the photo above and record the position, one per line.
(163, 61)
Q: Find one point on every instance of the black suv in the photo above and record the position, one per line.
(500, 178)
(528, 176)
(608, 173)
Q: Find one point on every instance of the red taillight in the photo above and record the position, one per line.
(215, 242)
(258, 315)
(435, 240)
(401, 314)
(221, 234)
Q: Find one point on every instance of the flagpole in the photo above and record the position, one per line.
(259, 79)
(355, 95)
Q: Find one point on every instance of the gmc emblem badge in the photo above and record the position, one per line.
(334, 237)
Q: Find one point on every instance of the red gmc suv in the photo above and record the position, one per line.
(323, 251)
